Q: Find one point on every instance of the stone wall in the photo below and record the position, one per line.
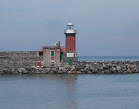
(18, 59)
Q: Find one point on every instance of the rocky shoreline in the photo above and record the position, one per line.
(79, 68)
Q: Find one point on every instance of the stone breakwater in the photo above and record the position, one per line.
(24, 62)
(79, 68)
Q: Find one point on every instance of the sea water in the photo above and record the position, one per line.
(108, 58)
(69, 91)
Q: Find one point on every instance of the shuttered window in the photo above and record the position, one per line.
(52, 53)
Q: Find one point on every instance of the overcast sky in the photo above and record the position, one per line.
(104, 27)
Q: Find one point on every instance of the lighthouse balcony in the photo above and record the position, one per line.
(70, 31)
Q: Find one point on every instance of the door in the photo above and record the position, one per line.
(70, 62)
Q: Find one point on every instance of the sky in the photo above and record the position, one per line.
(104, 27)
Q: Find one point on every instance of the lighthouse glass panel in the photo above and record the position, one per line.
(70, 27)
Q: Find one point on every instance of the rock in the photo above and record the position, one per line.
(118, 68)
(22, 70)
(69, 72)
(78, 72)
(13, 67)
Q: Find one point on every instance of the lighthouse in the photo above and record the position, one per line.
(70, 33)
(58, 55)
(70, 43)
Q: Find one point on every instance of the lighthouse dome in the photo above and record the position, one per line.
(70, 23)
(70, 28)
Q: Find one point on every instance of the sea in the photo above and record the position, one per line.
(108, 58)
(86, 91)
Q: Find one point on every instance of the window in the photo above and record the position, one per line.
(40, 53)
(52, 53)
